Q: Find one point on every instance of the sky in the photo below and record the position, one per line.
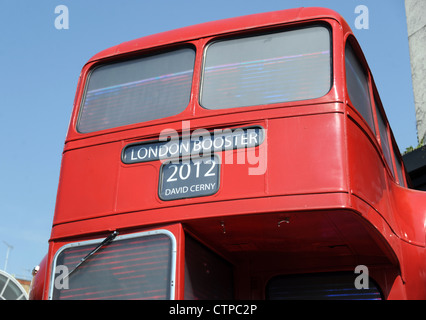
(40, 67)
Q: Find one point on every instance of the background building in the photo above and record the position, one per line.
(416, 27)
(415, 161)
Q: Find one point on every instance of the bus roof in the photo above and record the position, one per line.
(224, 26)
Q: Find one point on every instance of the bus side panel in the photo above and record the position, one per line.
(367, 173)
(409, 208)
(414, 265)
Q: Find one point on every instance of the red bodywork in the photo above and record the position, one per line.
(326, 202)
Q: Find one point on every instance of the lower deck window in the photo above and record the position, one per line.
(138, 266)
(320, 286)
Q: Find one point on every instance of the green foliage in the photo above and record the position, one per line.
(411, 148)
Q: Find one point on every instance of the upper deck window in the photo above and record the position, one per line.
(128, 92)
(357, 85)
(270, 68)
(399, 167)
(384, 138)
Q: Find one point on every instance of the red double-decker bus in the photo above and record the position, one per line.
(247, 158)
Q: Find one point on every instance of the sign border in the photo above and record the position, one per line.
(160, 181)
(154, 141)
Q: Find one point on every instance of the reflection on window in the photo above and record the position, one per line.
(265, 69)
(320, 286)
(138, 90)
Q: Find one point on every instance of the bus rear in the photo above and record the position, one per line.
(248, 158)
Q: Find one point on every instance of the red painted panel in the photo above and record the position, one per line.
(368, 179)
(306, 154)
(87, 183)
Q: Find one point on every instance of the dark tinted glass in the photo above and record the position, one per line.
(384, 139)
(399, 169)
(357, 84)
(320, 286)
(207, 275)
